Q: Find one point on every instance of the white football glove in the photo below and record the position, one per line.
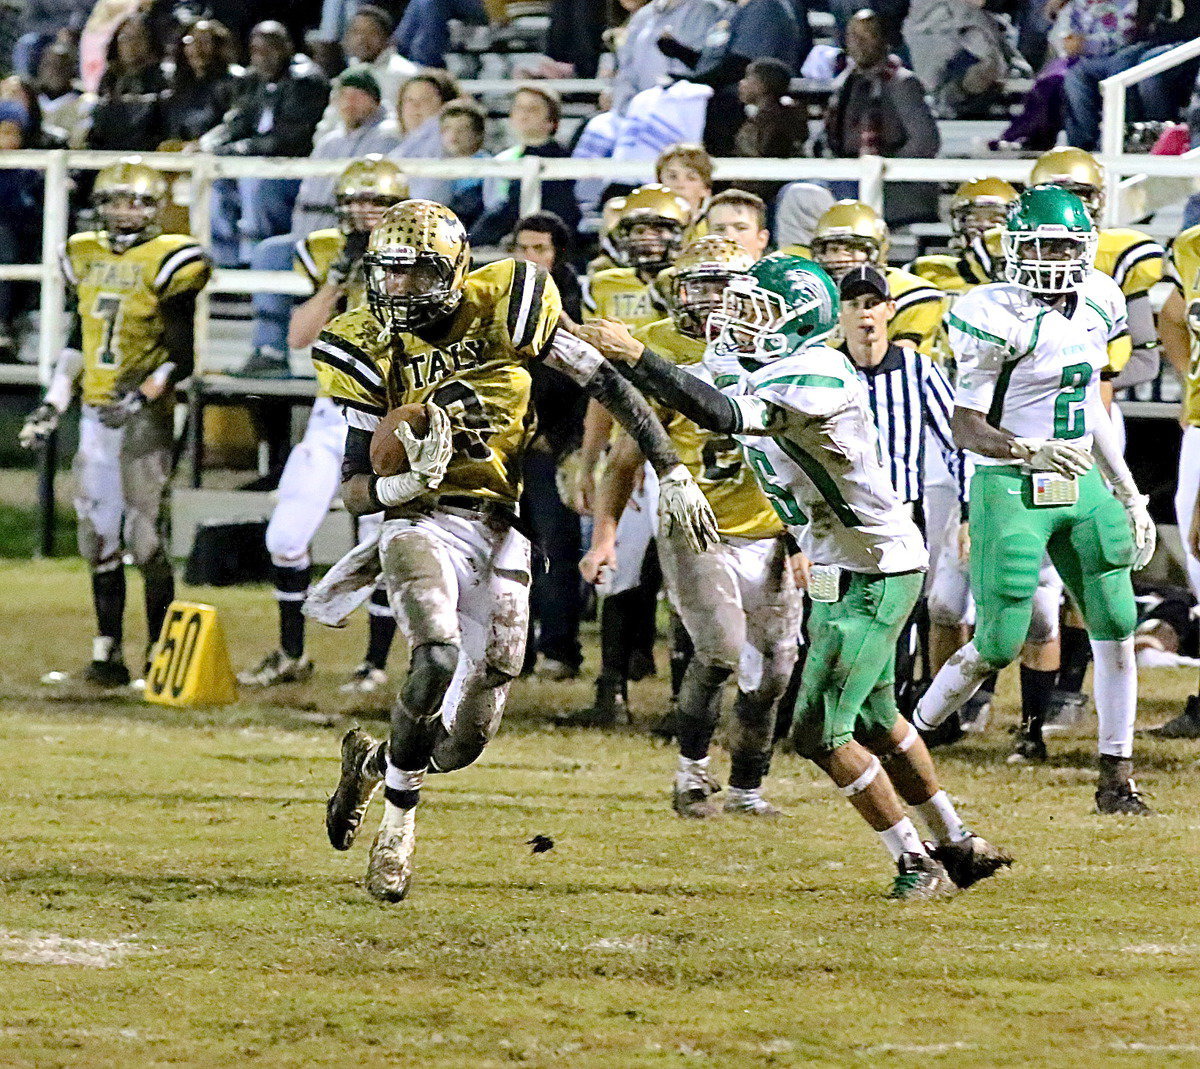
(723, 365)
(1052, 454)
(1145, 534)
(428, 459)
(683, 510)
(42, 423)
(123, 409)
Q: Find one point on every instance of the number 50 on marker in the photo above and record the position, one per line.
(191, 661)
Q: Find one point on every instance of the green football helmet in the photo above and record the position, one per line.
(782, 304)
(1049, 241)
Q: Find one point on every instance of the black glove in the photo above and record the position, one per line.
(348, 260)
(123, 409)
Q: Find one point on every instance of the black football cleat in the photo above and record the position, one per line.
(347, 805)
(971, 860)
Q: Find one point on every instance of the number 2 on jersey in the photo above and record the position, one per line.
(107, 308)
(1069, 421)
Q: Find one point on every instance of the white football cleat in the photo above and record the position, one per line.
(277, 667)
(365, 679)
(389, 870)
(749, 803)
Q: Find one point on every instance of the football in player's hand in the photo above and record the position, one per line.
(387, 453)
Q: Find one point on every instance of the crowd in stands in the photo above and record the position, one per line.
(341, 78)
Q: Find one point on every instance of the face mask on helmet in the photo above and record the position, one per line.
(751, 320)
(648, 246)
(361, 213)
(126, 215)
(975, 220)
(408, 293)
(839, 254)
(1046, 262)
(695, 296)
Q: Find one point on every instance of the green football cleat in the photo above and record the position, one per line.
(920, 878)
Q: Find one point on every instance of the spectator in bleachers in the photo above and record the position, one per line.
(277, 115)
(367, 42)
(20, 219)
(129, 112)
(575, 37)
(754, 29)
(890, 14)
(205, 83)
(419, 109)
(797, 209)
(959, 52)
(36, 132)
(1091, 29)
(533, 121)
(687, 170)
(41, 23)
(556, 597)
(775, 127)
(1158, 26)
(879, 109)
(364, 126)
(424, 32)
(62, 105)
(463, 124)
(640, 63)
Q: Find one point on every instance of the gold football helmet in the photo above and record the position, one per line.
(649, 229)
(365, 190)
(416, 262)
(977, 207)
(1073, 169)
(695, 284)
(850, 233)
(128, 197)
(609, 214)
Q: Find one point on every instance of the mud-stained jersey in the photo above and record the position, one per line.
(120, 297)
(1032, 369)
(715, 460)
(618, 293)
(476, 371)
(1183, 272)
(819, 464)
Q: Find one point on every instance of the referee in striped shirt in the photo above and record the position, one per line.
(909, 395)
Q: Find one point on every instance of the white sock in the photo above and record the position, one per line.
(689, 769)
(1114, 690)
(399, 780)
(743, 794)
(396, 819)
(902, 838)
(959, 678)
(942, 819)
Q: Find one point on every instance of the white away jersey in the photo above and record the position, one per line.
(1033, 370)
(821, 469)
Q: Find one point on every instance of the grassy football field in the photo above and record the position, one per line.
(169, 896)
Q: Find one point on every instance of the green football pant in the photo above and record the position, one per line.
(1090, 544)
(850, 675)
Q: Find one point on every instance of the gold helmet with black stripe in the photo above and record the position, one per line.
(416, 264)
(849, 234)
(978, 206)
(129, 197)
(365, 190)
(1075, 170)
(649, 228)
(695, 283)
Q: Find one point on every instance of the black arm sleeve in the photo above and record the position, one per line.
(726, 71)
(696, 400)
(357, 458)
(179, 334)
(673, 49)
(630, 409)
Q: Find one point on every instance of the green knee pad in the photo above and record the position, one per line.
(1004, 583)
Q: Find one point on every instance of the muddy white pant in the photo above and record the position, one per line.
(458, 585)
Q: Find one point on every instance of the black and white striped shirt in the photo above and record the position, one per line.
(908, 393)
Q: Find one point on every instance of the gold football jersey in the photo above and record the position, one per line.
(1183, 272)
(715, 460)
(948, 272)
(119, 298)
(317, 253)
(476, 371)
(618, 293)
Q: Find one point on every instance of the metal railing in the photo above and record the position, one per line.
(1112, 117)
(872, 173)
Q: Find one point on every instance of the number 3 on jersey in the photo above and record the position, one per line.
(107, 308)
(1069, 421)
